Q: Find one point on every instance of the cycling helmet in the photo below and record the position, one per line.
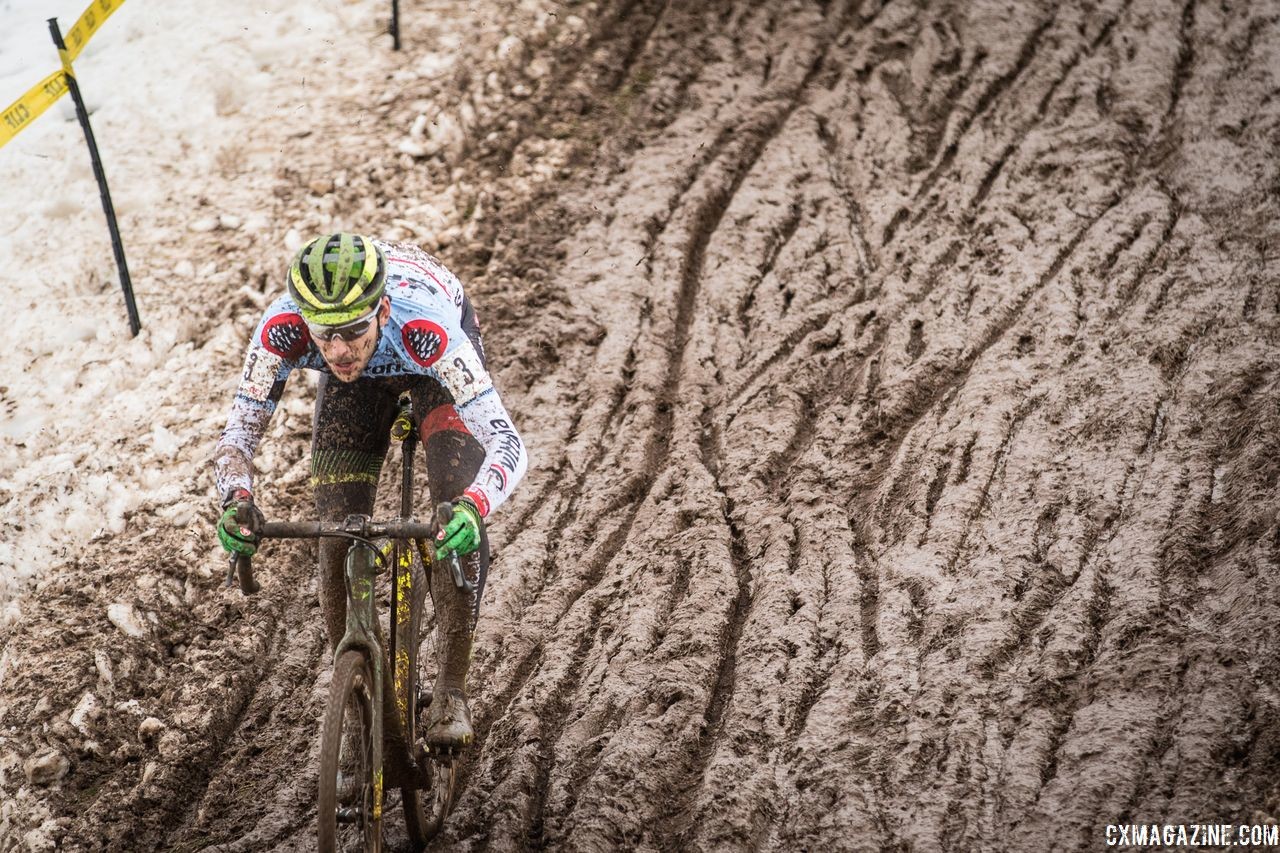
(337, 278)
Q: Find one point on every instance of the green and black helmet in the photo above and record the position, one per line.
(337, 278)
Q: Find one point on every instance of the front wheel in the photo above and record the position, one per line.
(346, 798)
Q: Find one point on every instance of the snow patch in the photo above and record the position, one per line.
(84, 711)
(124, 617)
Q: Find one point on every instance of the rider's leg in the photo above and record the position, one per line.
(350, 436)
(451, 464)
(453, 458)
(349, 440)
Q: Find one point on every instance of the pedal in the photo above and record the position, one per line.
(349, 814)
(445, 754)
(421, 769)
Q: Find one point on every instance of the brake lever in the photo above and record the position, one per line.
(241, 565)
(444, 514)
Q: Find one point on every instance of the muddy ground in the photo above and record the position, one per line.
(901, 387)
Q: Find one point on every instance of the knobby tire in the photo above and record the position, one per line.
(350, 707)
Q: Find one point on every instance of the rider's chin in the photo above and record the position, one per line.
(345, 372)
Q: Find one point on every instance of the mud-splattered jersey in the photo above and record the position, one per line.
(424, 337)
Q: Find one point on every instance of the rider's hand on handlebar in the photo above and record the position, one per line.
(462, 533)
(238, 526)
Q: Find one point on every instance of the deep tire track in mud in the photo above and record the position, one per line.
(900, 386)
(868, 375)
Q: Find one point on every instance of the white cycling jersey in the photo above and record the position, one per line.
(425, 336)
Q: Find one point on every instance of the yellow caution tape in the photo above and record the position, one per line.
(42, 95)
(78, 36)
(25, 110)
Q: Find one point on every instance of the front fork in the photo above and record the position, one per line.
(361, 634)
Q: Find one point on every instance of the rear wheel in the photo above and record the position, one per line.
(425, 809)
(346, 796)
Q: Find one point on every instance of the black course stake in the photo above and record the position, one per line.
(116, 246)
(395, 24)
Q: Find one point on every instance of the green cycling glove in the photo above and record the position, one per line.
(240, 518)
(462, 533)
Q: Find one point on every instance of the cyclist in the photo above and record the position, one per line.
(381, 318)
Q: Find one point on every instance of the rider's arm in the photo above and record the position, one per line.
(481, 410)
(505, 457)
(233, 457)
(277, 340)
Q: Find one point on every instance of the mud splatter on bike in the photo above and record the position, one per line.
(364, 735)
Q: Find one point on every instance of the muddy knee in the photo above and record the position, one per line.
(453, 456)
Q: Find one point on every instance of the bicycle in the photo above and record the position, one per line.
(351, 792)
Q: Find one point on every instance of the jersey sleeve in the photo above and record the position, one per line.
(443, 351)
(431, 340)
(278, 342)
(505, 456)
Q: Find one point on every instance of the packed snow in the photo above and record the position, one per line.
(186, 102)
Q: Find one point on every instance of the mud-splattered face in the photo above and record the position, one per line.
(347, 359)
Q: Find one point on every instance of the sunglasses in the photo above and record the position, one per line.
(348, 331)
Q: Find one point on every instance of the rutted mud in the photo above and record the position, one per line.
(901, 392)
